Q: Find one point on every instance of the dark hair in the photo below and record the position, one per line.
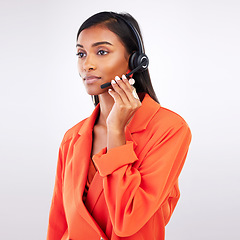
(113, 21)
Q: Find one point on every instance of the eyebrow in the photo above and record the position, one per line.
(96, 44)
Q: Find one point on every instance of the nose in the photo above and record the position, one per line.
(89, 63)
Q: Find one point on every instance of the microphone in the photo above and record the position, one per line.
(127, 75)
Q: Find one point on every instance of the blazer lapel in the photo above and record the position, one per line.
(81, 157)
(143, 115)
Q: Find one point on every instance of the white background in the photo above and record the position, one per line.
(193, 47)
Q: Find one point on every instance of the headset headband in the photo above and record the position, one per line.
(135, 31)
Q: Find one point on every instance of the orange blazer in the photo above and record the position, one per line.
(135, 189)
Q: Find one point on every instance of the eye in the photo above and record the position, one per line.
(102, 52)
(80, 54)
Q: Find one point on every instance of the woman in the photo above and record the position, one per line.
(117, 173)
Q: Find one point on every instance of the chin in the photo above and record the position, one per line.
(95, 91)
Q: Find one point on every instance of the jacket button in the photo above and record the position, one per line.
(101, 238)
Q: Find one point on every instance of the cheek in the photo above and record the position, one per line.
(117, 66)
(79, 67)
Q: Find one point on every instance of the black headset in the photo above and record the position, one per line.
(138, 61)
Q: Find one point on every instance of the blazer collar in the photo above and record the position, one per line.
(143, 115)
(89, 122)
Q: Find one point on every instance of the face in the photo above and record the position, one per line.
(101, 57)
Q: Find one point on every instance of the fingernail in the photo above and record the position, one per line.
(131, 81)
(117, 78)
(113, 82)
(124, 77)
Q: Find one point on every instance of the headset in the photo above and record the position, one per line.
(138, 60)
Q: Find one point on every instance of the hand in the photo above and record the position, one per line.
(125, 104)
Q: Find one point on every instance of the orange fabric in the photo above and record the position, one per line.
(91, 172)
(135, 189)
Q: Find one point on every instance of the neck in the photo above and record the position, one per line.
(106, 103)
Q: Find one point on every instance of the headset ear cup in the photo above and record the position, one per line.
(145, 60)
(142, 58)
(132, 60)
(137, 59)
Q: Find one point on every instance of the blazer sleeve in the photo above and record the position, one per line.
(132, 194)
(57, 221)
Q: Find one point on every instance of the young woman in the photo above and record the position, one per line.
(117, 172)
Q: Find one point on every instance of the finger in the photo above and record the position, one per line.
(135, 95)
(132, 95)
(126, 87)
(129, 82)
(119, 87)
(115, 96)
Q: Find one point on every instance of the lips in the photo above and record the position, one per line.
(91, 79)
